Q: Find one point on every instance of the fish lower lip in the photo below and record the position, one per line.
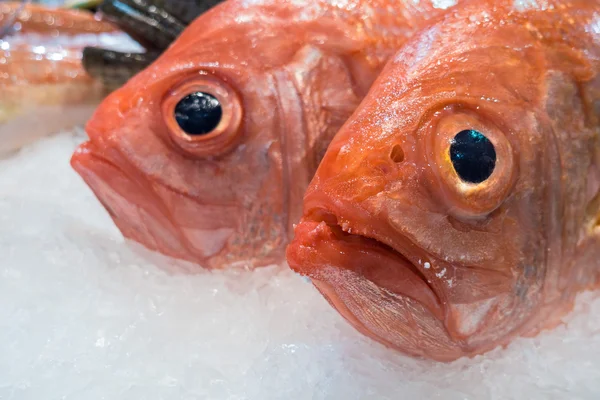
(129, 203)
(138, 210)
(366, 256)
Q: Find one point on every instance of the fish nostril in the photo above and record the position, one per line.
(397, 154)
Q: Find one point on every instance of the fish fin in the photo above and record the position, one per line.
(82, 4)
(153, 23)
(150, 25)
(186, 10)
(114, 68)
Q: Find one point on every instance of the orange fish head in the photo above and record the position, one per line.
(187, 156)
(428, 221)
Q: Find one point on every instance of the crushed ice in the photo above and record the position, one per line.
(84, 315)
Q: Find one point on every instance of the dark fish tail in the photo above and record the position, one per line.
(150, 25)
(115, 68)
(186, 10)
(153, 23)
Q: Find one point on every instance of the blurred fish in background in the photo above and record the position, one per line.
(44, 88)
(59, 59)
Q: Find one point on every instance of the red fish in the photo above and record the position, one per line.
(459, 207)
(205, 155)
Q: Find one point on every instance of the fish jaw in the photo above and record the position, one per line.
(137, 207)
(391, 288)
(322, 241)
(381, 290)
(130, 202)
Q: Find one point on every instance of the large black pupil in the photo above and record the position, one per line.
(473, 156)
(198, 113)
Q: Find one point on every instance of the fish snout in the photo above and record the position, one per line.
(128, 198)
(154, 215)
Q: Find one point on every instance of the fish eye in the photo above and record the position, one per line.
(203, 115)
(473, 156)
(471, 160)
(198, 113)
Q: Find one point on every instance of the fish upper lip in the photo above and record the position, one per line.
(348, 231)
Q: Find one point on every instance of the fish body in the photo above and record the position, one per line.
(459, 207)
(275, 81)
(43, 85)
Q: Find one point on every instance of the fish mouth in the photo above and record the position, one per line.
(374, 283)
(129, 200)
(364, 254)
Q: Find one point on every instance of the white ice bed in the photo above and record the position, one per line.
(85, 315)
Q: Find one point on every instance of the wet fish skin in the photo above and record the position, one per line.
(418, 259)
(288, 74)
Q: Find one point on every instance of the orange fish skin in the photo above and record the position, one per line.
(43, 85)
(433, 266)
(288, 74)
